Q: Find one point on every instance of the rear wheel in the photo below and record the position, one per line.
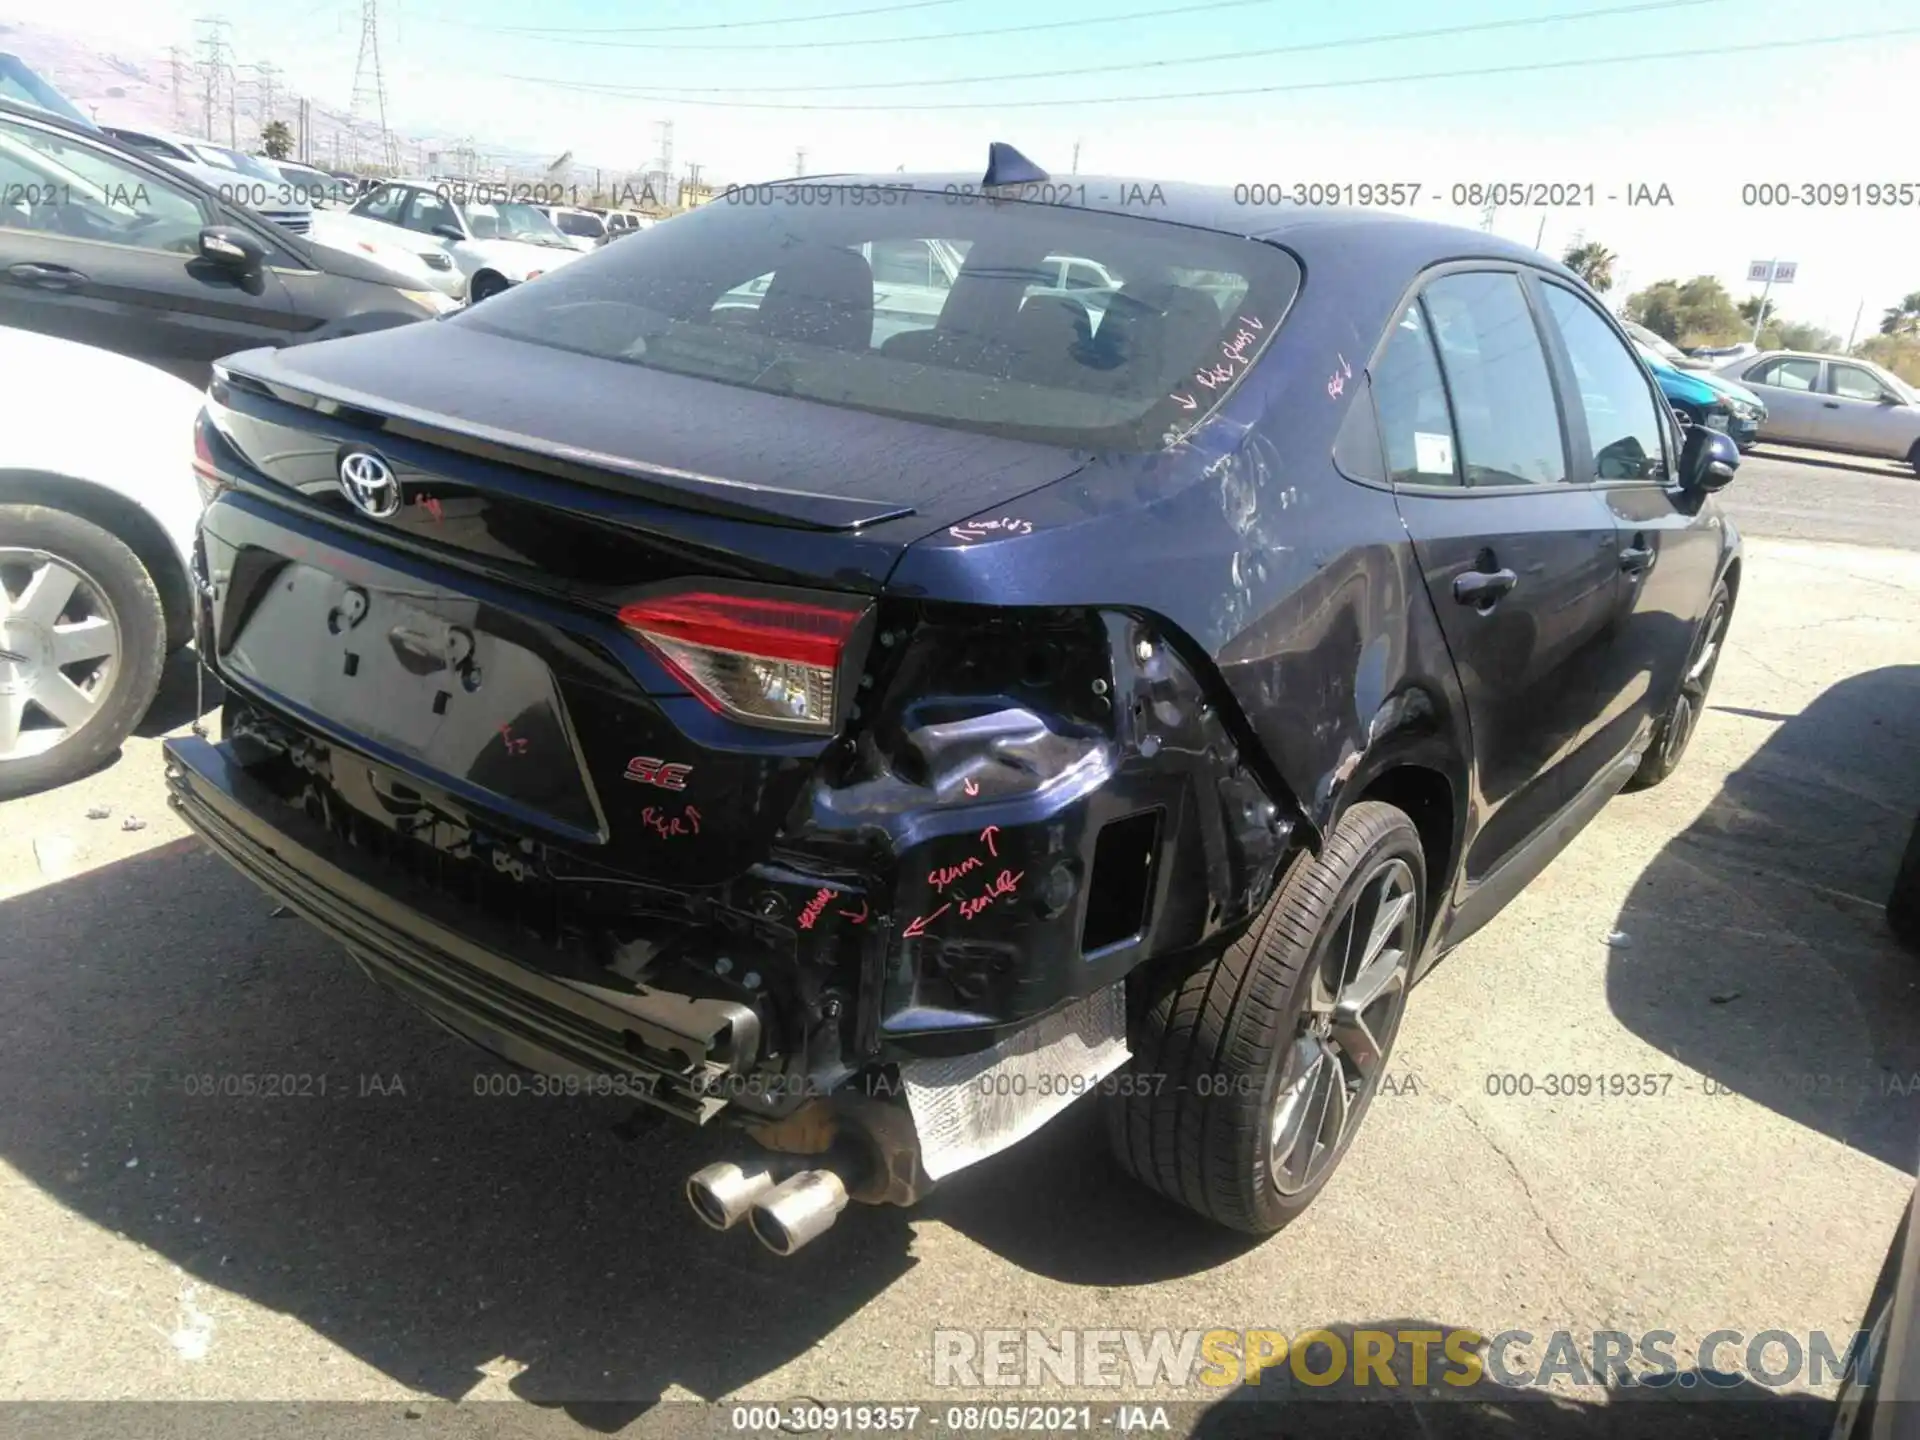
(82, 640)
(1674, 730)
(1252, 1073)
(1913, 457)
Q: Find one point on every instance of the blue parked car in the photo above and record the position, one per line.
(871, 736)
(1709, 400)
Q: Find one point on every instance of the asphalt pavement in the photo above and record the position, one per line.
(233, 1169)
(1813, 495)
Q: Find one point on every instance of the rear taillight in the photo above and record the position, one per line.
(766, 661)
(204, 473)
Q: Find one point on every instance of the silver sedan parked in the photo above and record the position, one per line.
(1832, 402)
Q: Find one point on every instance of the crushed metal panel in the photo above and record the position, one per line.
(967, 1107)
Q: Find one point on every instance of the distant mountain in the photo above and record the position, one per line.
(142, 87)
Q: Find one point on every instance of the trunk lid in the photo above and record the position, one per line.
(464, 657)
(688, 443)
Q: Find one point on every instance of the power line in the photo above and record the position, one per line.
(1222, 94)
(687, 29)
(1434, 33)
(1106, 22)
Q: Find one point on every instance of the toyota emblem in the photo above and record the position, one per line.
(368, 481)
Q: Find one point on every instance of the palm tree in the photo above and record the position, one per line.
(276, 139)
(1593, 263)
(1904, 318)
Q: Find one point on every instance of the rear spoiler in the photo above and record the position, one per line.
(661, 484)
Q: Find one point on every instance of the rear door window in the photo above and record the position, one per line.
(1503, 403)
(1787, 374)
(1411, 400)
(949, 310)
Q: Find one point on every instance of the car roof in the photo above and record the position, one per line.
(1213, 207)
(185, 142)
(1817, 355)
(23, 110)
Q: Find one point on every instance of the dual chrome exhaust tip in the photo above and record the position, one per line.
(783, 1215)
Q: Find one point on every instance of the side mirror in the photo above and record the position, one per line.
(1708, 459)
(449, 232)
(1890, 399)
(232, 248)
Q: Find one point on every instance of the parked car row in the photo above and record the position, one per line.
(1793, 397)
(491, 243)
(108, 246)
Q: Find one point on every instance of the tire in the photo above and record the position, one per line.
(1913, 457)
(1673, 731)
(59, 720)
(484, 286)
(1860, 1394)
(1903, 902)
(1226, 1054)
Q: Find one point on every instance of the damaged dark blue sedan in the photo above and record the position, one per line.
(866, 664)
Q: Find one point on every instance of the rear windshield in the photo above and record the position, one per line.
(1033, 321)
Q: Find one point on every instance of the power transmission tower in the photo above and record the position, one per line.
(663, 169)
(214, 65)
(178, 70)
(800, 162)
(370, 87)
(265, 83)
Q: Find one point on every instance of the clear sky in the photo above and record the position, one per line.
(1713, 115)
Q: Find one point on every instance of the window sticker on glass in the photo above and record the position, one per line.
(1432, 453)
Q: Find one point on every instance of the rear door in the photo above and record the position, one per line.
(1522, 566)
(98, 248)
(1860, 413)
(1789, 386)
(1670, 545)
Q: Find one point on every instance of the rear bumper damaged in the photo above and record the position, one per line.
(941, 928)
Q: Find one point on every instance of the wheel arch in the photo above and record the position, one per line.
(1429, 798)
(127, 521)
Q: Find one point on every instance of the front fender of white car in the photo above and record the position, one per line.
(392, 246)
(510, 259)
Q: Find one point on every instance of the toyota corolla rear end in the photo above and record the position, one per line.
(581, 682)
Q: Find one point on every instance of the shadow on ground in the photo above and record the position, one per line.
(1690, 1405)
(179, 701)
(376, 1197)
(311, 1144)
(1759, 953)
